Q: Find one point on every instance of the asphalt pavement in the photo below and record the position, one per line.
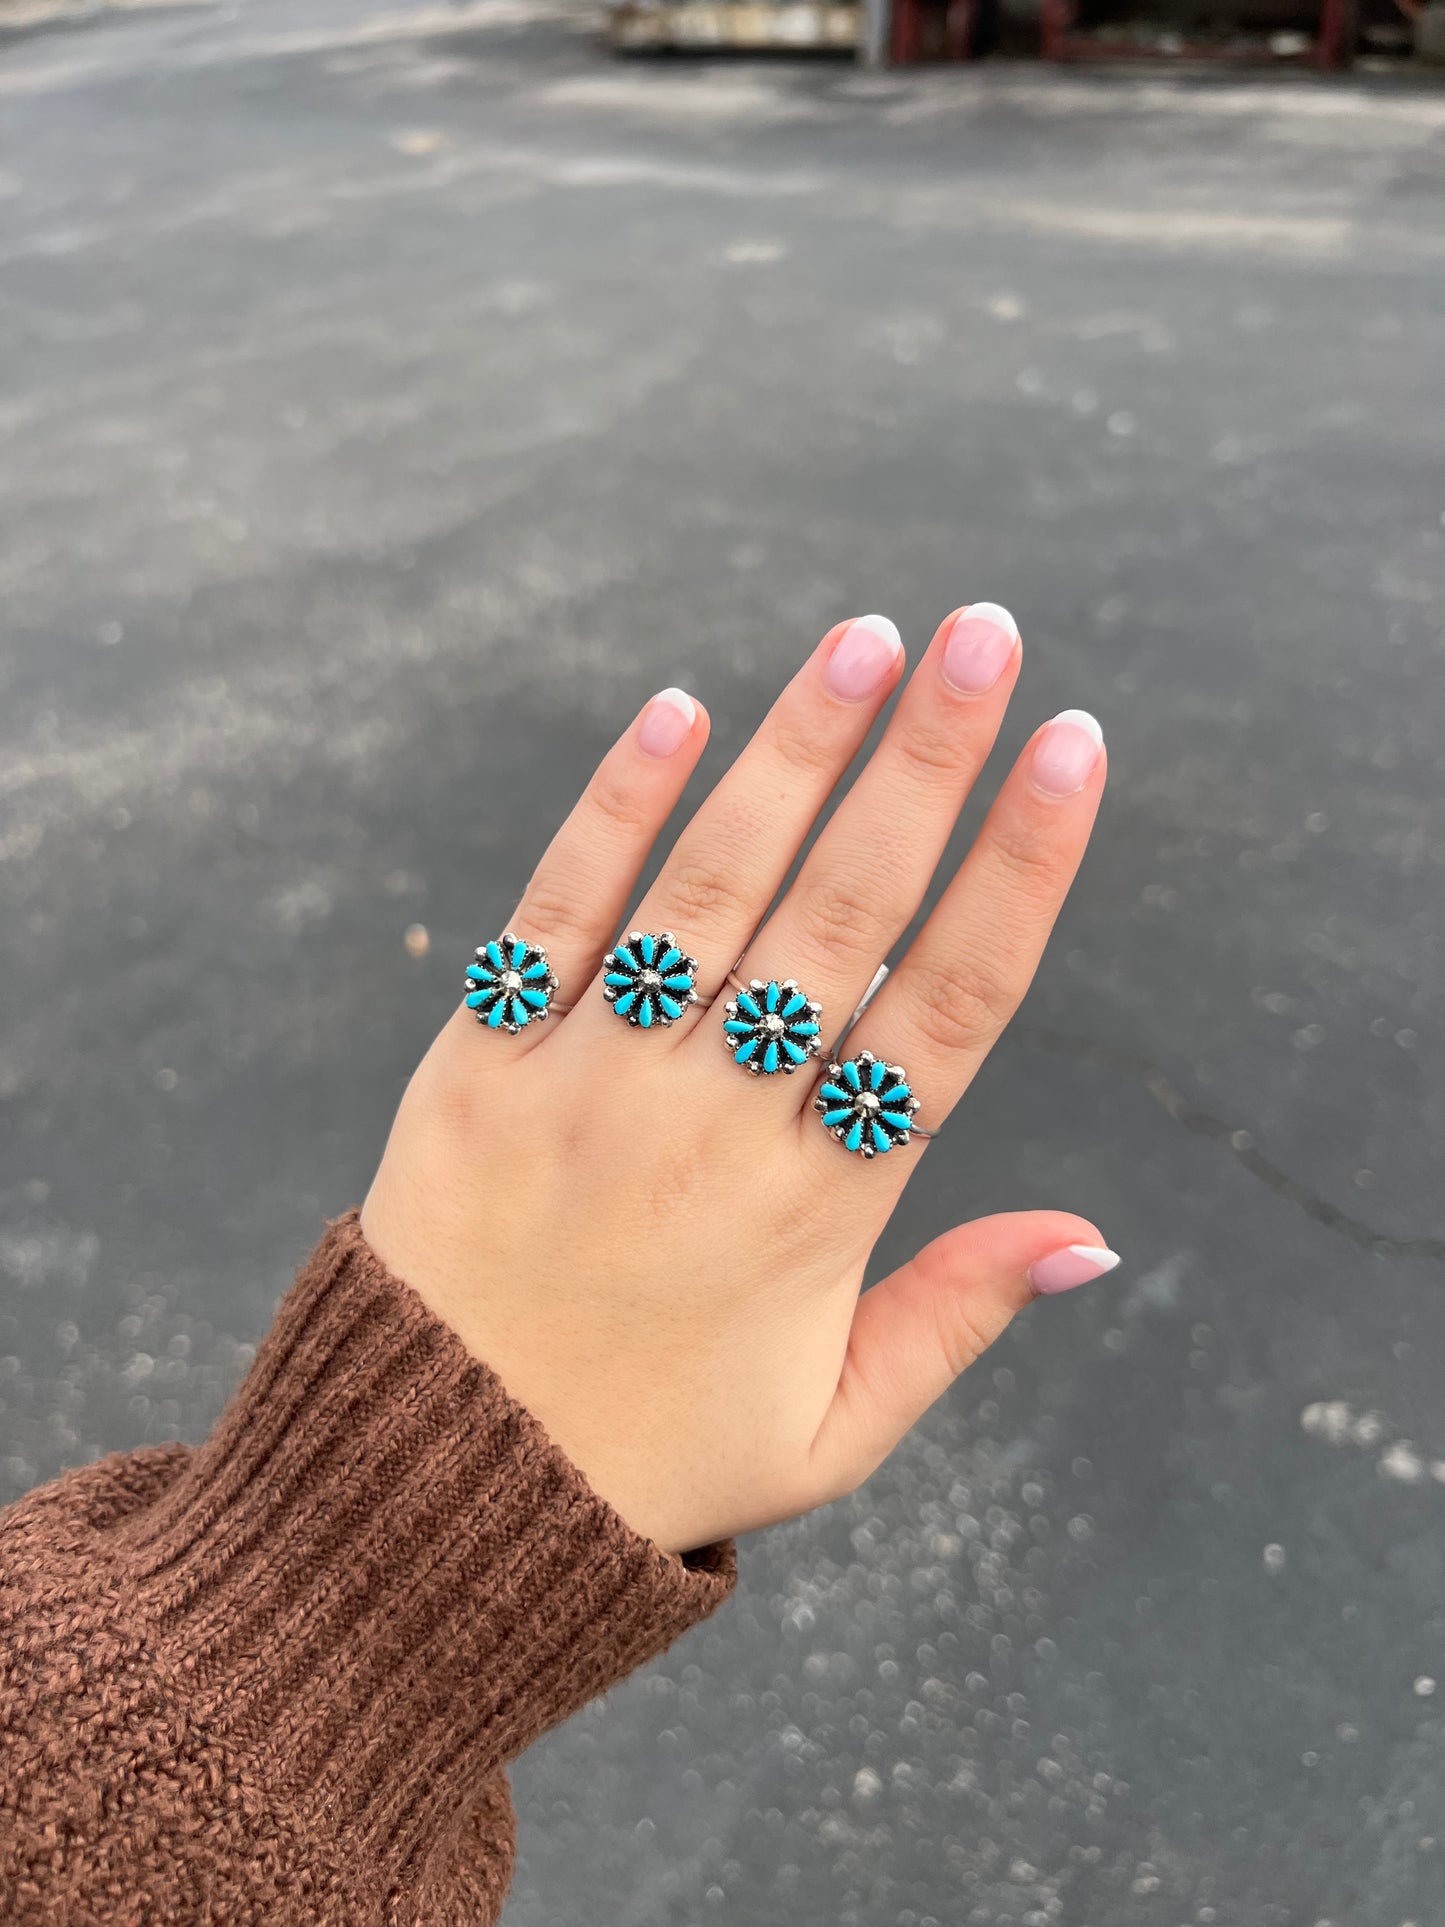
(388, 403)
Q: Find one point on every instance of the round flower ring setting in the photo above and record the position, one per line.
(648, 980)
(771, 1027)
(510, 984)
(867, 1105)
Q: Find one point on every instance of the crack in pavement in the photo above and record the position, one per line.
(1239, 1143)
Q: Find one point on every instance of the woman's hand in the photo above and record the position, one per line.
(660, 1254)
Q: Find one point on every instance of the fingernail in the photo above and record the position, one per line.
(863, 658)
(1065, 755)
(666, 723)
(979, 648)
(1074, 1265)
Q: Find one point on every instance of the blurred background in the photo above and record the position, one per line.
(390, 401)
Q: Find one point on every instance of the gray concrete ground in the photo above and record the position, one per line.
(388, 404)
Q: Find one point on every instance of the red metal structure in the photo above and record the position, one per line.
(1063, 37)
(923, 32)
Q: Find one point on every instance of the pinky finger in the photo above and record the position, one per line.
(916, 1331)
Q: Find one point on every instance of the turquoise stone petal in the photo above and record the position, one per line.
(803, 1030)
(749, 1005)
(533, 999)
(738, 1027)
(533, 972)
(854, 1139)
(478, 998)
(881, 1139)
(519, 954)
(648, 947)
(795, 1051)
(670, 1006)
(625, 957)
(840, 1116)
(645, 1013)
(896, 1094)
(773, 996)
(479, 974)
(625, 1002)
(497, 1014)
(494, 956)
(899, 1120)
(680, 981)
(852, 1076)
(794, 1005)
(744, 1053)
(519, 1013)
(770, 1058)
(618, 979)
(878, 1076)
(669, 959)
(837, 1093)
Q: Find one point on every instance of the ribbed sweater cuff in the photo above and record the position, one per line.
(380, 1573)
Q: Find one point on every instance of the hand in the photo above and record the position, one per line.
(661, 1255)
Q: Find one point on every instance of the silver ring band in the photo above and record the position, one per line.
(916, 1130)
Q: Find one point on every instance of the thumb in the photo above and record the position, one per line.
(914, 1332)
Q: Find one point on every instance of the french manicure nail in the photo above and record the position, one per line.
(1074, 1265)
(666, 723)
(979, 648)
(863, 658)
(1065, 754)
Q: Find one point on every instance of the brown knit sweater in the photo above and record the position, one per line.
(277, 1678)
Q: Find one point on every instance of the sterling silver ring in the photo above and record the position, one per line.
(649, 981)
(509, 984)
(867, 1104)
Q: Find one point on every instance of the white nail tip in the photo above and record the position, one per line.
(994, 612)
(1081, 719)
(1099, 1255)
(680, 700)
(881, 626)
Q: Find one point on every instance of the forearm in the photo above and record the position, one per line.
(278, 1678)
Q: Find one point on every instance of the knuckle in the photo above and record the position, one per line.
(618, 803)
(800, 744)
(1030, 863)
(696, 892)
(554, 906)
(930, 749)
(455, 1106)
(962, 1004)
(959, 1339)
(840, 919)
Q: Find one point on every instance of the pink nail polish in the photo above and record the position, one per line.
(979, 648)
(863, 658)
(1065, 754)
(1074, 1265)
(666, 723)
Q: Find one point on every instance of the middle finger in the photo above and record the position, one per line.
(729, 862)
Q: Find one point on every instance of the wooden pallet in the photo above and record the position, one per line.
(700, 24)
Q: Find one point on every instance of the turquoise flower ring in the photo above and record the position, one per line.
(867, 1105)
(770, 1027)
(648, 981)
(509, 984)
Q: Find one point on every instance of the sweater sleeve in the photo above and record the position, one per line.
(277, 1678)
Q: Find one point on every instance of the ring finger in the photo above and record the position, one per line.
(866, 875)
